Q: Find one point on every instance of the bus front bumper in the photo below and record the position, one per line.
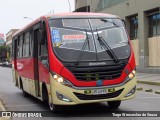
(64, 95)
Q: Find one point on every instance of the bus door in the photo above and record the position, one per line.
(35, 60)
(41, 61)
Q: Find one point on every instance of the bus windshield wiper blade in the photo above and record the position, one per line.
(83, 47)
(105, 20)
(107, 48)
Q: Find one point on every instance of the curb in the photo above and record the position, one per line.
(2, 106)
(149, 82)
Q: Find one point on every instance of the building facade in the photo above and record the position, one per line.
(2, 41)
(9, 37)
(9, 40)
(143, 25)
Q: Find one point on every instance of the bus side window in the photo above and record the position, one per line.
(21, 46)
(14, 48)
(18, 47)
(31, 43)
(26, 45)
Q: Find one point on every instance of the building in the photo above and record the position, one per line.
(2, 41)
(9, 37)
(143, 25)
(9, 40)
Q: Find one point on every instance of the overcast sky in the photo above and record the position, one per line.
(13, 11)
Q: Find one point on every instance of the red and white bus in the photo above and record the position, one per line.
(75, 58)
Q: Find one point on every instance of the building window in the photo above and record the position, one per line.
(107, 3)
(133, 27)
(154, 25)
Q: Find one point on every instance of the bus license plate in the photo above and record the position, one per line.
(99, 91)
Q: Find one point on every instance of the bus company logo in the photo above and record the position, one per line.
(97, 63)
(19, 66)
(99, 83)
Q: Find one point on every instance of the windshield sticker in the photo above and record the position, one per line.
(56, 36)
(74, 37)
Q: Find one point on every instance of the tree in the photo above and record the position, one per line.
(3, 52)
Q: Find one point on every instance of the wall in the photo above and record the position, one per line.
(154, 51)
(135, 45)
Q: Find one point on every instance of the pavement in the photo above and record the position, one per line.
(148, 82)
(148, 78)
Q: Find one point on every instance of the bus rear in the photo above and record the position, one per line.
(91, 60)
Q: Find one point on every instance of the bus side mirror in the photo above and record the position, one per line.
(42, 33)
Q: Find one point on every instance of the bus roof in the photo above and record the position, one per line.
(80, 14)
(67, 15)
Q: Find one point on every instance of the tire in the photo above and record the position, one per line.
(51, 106)
(54, 108)
(114, 104)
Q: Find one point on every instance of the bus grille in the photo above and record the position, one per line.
(97, 97)
(93, 73)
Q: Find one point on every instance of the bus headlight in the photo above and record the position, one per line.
(58, 78)
(61, 80)
(130, 76)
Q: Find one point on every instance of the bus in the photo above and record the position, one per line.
(75, 58)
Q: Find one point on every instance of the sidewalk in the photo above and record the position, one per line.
(148, 78)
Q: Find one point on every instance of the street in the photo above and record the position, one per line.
(13, 100)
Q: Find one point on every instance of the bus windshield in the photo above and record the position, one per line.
(69, 35)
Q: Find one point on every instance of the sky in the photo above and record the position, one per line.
(13, 11)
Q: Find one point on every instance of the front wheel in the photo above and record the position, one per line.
(54, 108)
(114, 104)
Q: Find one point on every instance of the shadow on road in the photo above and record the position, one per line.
(83, 110)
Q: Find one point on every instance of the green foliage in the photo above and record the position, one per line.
(3, 52)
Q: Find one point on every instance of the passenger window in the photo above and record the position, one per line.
(18, 43)
(26, 45)
(21, 46)
(31, 43)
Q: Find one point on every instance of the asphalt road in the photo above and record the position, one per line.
(13, 100)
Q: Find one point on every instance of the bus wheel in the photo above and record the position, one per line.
(54, 108)
(45, 96)
(114, 104)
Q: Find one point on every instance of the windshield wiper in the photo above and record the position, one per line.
(105, 20)
(83, 47)
(107, 48)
